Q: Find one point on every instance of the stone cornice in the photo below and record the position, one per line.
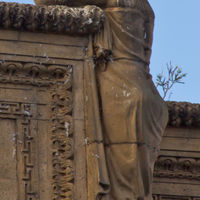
(58, 19)
(183, 114)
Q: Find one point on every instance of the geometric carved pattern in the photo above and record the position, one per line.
(62, 140)
(15, 109)
(27, 160)
(58, 80)
(177, 167)
(171, 197)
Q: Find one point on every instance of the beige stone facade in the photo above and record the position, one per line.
(38, 75)
(43, 143)
(177, 170)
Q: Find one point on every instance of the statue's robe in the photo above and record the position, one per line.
(122, 137)
(134, 115)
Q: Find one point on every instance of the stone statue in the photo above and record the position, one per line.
(133, 114)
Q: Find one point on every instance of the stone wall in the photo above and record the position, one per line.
(42, 54)
(177, 170)
(41, 115)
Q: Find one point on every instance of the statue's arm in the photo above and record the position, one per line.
(149, 26)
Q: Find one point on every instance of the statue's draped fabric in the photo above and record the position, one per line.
(133, 114)
(124, 135)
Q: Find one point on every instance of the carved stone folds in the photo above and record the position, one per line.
(58, 19)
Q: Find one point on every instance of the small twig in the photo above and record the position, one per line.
(174, 75)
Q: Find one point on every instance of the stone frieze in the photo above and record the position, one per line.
(34, 74)
(173, 197)
(177, 168)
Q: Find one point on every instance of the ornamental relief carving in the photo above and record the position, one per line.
(28, 146)
(57, 83)
(62, 142)
(57, 19)
(171, 197)
(183, 114)
(177, 167)
(34, 74)
(15, 109)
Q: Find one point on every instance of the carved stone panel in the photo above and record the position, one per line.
(36, 137)
(8, 178)
(177, 169)
(168, 197)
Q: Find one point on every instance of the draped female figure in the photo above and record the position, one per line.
(133, 115)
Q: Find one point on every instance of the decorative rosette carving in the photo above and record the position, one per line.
(177, 168)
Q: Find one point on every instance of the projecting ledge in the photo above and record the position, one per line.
(56, 19)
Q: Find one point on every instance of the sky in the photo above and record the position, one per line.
(176, 40)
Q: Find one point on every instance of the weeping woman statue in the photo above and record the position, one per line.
(133, 114)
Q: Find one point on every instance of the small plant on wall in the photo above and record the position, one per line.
(166, 81)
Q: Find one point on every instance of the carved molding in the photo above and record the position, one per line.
(62, 140)
(33, 74)
(172, 197)
(58, 19)
(59, 82)
(28, 159)
(15, 109)
(177, 167)
(26, 142)
(183, 114)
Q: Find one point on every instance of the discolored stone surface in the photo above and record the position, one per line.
(36, 110)
(57, 19)
(47, 114)
(8, 161)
